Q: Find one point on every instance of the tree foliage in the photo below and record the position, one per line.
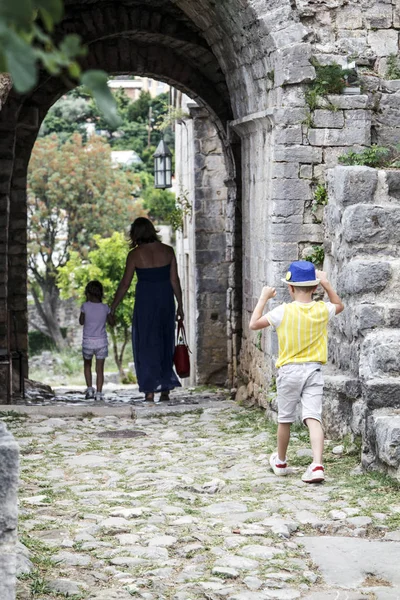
(74, 194)
(106, 263)
(26, 44)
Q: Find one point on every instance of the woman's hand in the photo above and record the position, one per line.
(180, 314)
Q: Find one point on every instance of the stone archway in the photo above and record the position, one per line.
(247, 62)
(222, 54)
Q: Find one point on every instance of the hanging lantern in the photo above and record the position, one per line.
(162, 166)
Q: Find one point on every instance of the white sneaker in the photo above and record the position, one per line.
(99, 397)
(89, 394)
(314, 474)
(279, 468)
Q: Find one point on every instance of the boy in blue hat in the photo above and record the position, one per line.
(302, 335)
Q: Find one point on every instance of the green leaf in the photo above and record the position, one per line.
(96, 81)
(74, 70)
(54, 8)
(71, 46)
(21, 62)
(18, 12)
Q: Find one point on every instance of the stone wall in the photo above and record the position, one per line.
(363, 257)
(9, 465)
(203, 247)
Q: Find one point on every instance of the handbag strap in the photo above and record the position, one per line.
(182, 332)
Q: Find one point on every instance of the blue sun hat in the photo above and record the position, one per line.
(301, 273)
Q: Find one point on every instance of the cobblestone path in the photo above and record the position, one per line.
(189, 510)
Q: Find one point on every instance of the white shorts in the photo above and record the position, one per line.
(100, 353)
(302, 382)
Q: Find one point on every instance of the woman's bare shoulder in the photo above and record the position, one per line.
(167, 249)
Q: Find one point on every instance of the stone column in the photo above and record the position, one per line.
(210, 247)
(9, 465)
(8, 117)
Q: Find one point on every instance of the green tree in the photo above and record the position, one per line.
(106, 263)
(159, 203)
(26, 45)
(74, 194)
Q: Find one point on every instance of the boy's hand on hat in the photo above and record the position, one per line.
(268, 292)
(322, 276)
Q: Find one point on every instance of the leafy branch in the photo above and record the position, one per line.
(182, 209)
(26, 45)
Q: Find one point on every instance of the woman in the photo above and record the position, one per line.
(153, 328)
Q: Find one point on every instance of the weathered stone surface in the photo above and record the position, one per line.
(350, 185)
(365, 276)
(371, 224)
(345, 561)
(328, 118)
(347, 136)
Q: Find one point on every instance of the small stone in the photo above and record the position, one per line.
(260, 552)
(225, 508)
(338, 450)
(253, 583)
(310, 576)
(71, 559)
(225, 572)
(337, 515)
(359, 521)
(66, 587)
(163, 540)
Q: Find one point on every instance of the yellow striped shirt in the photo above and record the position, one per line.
(302, 331)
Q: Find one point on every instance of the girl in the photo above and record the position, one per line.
(94, 316)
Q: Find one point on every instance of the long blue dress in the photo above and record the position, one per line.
(153, 330)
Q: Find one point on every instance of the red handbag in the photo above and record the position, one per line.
(181, 354)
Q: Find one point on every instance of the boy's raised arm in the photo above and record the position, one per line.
(258, 320)
(332, 295)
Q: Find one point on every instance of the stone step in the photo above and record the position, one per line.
(382, 437)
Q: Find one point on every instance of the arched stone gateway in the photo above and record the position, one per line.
(247, 63)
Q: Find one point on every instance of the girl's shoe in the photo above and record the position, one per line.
(164, 396)
(99, 397)
(149, 396)
(314, 474)
(89, 394)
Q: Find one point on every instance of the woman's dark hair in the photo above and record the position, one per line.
(94, 288)
(142, 232)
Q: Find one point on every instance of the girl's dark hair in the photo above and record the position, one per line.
(142, 232)
(94, 288)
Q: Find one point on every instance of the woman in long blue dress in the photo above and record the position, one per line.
(153, 327)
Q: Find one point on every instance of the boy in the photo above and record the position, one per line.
(302, 335)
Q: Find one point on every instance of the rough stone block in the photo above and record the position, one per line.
(383, 43)
(306, 171)
(340, 137)
(360, 277)
(289, 116)
(393, 183)
(379, 16)
(386, 424)
(287, 208)
(289, 35)
(290, 135)
(328, 118)
(380, 356)
(387, 136)
(349, 17)
(392, 317)
(368, 316)
(340, 395)
(349, 102)
(290, 189)
(303, 154)
(357, 117)
(293, 65)
(371, 224)
(285, 170)
(350, 185)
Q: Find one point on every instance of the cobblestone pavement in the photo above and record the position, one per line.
(188, 509)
